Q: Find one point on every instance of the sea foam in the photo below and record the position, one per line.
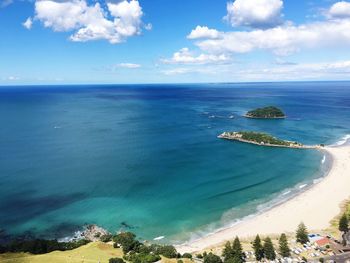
(344, 140)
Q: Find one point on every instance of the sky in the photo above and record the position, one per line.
(173, 41)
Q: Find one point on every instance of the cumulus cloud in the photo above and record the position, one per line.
(185, 56)
(281, 40)
(203, 32)
(28, 23)
(128, 65)
(339, 10)
(91, 22)
(183, 71)
(307, 71)
(254, 13)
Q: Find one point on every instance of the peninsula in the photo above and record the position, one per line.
(270, 112)
(263, 139)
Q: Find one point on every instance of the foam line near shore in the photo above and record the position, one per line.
(316, 207)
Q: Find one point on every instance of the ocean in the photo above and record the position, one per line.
(146, 158)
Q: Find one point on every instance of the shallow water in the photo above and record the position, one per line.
(146, 158)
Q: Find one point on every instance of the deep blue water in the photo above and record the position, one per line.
(147, 155)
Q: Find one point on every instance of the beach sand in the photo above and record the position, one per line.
(316, 207)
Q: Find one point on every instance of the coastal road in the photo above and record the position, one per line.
(340, 258)
(347, 238)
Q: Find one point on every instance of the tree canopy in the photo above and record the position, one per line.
(269, 249)
(258, 248)
(302, 234)
(283, 246)
(344, 224)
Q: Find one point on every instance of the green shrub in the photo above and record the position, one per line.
(187, 255)
(167, 251)
(127, 241)
(116, 260)
(200, 256)
(42, 246)
(211, 258)
(142, 257)
(106, 238)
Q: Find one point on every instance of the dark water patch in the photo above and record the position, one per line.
(241, 189)
(25, 205)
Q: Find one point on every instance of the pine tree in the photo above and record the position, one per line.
(258, 248)
(283, 246)
(237, 250)
(269, 250)
(227, 252)
(302, 234)
(344, 224)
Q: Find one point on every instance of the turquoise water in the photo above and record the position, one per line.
(146, 157)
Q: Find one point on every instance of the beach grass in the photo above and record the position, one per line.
(92, 252)
(333, 228)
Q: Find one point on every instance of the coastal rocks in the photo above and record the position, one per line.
(94, 233)
(89, 232)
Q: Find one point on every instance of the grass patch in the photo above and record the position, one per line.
(92, 252)
(345, 208)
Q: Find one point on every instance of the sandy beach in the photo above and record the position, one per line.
(316, 207)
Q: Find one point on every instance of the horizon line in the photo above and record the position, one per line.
(169, 83)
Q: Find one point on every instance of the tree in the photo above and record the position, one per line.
(237, 250)
(127, 241)
(283, 246)
(167, 251)
(116, 260)
(187, 255)
(106, 238)
(211, 258)
(269, 250)
(344, 224)
(258, 248)
(302, 234)
(233, 253)
(227, 253)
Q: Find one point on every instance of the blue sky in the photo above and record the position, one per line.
(161, 41)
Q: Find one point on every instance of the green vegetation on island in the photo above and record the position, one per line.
(259, 138)
(270, 112)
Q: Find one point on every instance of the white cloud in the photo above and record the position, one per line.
(12, 78)
(339, 10)
(128, 65)
(28, 23)
(4, 3)
(281, 40)
(183, 71)
(254, 13)
(336, 70)
(148, 26)
(185, 56)
(203, 32)
(91, 22)
(308, 71)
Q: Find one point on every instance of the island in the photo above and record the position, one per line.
(270, 112)
(263, 139)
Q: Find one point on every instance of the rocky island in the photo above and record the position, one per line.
(270, 112)
(264, 139)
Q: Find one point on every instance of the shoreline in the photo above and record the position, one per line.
(237, 139)
(316, 207)
(264, 118)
